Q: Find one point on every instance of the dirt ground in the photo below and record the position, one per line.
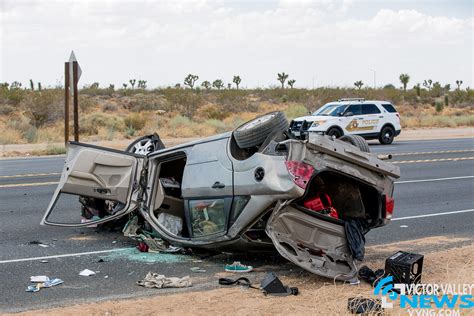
(447, 260)
(17, 150)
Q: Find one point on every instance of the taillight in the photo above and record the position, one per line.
(300, 172)
(389, 205)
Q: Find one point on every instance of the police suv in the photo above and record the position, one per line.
(369, 119)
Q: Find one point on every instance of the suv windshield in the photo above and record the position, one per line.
(331, 110)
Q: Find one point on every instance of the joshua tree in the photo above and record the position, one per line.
(206, 85)
(459, 83)
(291, 83)
(32, 85)
(95, 85)
(229, 85)
(218, 84)
(190, 80)
(359, 84)
(177, 86)
(418, 90)
(4, 85)
(15, 85)
(124, 86)
(404, 78)
(447, 87)
(141, 84)
(111, 87)
(132, 83)
(427, 84)
(237, 81)
(282, 78)
(39, 86)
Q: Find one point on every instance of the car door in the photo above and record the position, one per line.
(207, 189)
(311, 242)
(352, 119)
(371, 120)
(96, 186)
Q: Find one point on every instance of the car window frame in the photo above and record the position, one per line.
(374, 107)
(228, 201)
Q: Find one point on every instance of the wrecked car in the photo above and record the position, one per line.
(252, 188)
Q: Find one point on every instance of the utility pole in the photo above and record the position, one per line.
(375, 74)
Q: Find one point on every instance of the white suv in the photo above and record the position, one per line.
(369, 119)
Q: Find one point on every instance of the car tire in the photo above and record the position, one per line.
(357, 141)
(145, 145)
(254, 132)
(387, 135)
(334, 132)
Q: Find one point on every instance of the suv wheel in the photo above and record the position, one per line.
(145, 145)
(334, 132)
(356, 141)
(254, 132)
(386, 135)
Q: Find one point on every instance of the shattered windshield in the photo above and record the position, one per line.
(331, 110)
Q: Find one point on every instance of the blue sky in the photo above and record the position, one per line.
(326, 42)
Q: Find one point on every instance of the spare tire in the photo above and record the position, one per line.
(357, 141)
(145, 145)
(254, 132)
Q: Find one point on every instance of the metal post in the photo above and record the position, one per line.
(66, 102)
(76, 101)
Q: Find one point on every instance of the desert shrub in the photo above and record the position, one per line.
(19, 122)
(212, 111)
(31, 134)
(439, 106)
(44, 107)
(90, 124)
(182, 126)
(50, 150)
(218, 126)
(51, 133)
(295, 110)
(86, 103)
(184, 101)
(10, 136)
(109, 107)
(135, 121)
(6, 109)
(12, 96)
(148, 102)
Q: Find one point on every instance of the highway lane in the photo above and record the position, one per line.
(22, 208)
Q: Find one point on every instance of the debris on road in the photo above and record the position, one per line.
(238, 267)
(39, 278)
(86, 272)
(39, 285)
(155, 280)
(370, 276)
(405, 267)
(197, 270)
(271, 285)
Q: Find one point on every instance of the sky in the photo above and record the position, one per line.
(318, 43)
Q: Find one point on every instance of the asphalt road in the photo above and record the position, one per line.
(434, 197)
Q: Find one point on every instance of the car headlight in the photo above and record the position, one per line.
(317, 123)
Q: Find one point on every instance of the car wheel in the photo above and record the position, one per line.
(357, 141)
(145, 145)
(254, 132)
(334, 132)
(387, 135)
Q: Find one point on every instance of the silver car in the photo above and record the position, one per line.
(251, 188)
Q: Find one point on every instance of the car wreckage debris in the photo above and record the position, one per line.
(355, 234)
(42, 284)
(155, 280)
(361, 305)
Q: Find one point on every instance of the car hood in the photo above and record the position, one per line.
(312, 118)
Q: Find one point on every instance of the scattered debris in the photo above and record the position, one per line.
(405, 267)
(271, 285)
(48, 283)
(44, 261)
(106, 277)
(355, 233)
(34, 242)
(238, 267)
(361, 305)
(39, 278)
(100, 260)
(43, 245)
(114, 242)
(240, 281)
(155, 280)
(370, 276)
(86, 272)
(403, 226)
(197, 270)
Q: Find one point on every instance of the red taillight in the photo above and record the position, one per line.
(300, 172)
(389, 205)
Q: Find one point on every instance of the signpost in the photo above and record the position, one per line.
(72, 73)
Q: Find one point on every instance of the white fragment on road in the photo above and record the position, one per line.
(43, 245)
(403, 226)
(39, 278)
(86, 272)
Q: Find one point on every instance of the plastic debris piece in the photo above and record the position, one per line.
(155, 280)
(43, 245)
(197, 270)
(114, 242)
(86, 272)
(39, 278)
(142, 247)
(49, 283)
(361, 305)
(403, 226)
(44, 261)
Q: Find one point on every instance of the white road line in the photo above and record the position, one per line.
(432, 215)
(31, 175)
(64, 256)
(437, 179)
(26, 184)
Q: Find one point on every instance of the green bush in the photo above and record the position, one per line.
(90, 124)
(135, 121)
(31, 134)
(439, 106)
(218, 125)
(294, 111)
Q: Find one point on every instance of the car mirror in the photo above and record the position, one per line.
(348, 114)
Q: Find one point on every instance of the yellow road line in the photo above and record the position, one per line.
(432, 160)
(30, 175)
(434, 152)
(26, 184)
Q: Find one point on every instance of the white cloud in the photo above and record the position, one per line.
(163, 41)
